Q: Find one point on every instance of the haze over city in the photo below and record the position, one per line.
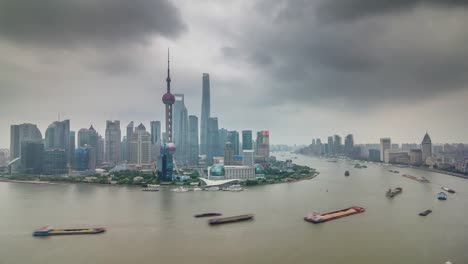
(371, 68)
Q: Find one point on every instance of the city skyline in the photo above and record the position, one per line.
(344, 79)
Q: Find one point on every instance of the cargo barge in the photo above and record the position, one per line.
(319, 218)
(49, 231)
(207, 215)
(425, 212)
(448, 190)
(419, 179)
(232, 219)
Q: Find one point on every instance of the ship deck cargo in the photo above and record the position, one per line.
(49, 231)
(231, 219)
(419, 179)
(319, 218)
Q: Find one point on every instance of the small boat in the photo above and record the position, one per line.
(425, 212)
(49, 231)
(419, 179)
(442, 196)
(319, 218)
(346, 173)
(448, 190)
(232, 219)
(197, 189)
(392, 193)
(180, 189)
(207, 215)
(150, 189)
(214, 188)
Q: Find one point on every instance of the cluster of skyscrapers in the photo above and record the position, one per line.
(453, 157)
(61, 151)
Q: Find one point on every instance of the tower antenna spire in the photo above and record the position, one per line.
(168, 79)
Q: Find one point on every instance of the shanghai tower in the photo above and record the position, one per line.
(205, 113)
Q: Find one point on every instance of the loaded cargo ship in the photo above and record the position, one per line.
(419, 179)
(391, 193)
(49, 231)
(319, 217)
(207, 215)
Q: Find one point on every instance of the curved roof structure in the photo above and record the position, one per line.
(426, 139)
(210, 183)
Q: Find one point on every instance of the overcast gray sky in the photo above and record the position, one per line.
(299, 68)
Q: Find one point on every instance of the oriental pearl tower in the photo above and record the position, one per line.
(165, 164)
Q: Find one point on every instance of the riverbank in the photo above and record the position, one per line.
(30, 182)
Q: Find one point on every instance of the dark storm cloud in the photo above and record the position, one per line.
(383, 58)
(355, 9)
(87, 22)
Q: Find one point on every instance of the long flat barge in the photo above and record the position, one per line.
(319, 217)
(207, 215)
(419, 179)
(231, 219)
(49, 231)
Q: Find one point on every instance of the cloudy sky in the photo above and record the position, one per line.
(299, 68)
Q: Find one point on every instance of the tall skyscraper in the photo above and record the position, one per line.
(263, 144)
(213, 140)
(338, 145)
(165, 163)
(155, 132)
(349, 143)
(205, 113)
(85, 158)
(155, 139)
(331, 146)
(57, 136)
(55, 162)
(128, 135)
(100, 151)
(247, 140)
(193, 140)
(20, 133)
(228, 154)
(233, 137)
(112, 141)
(181, 128)
(222, 139)
(426, 146)
(140, 148)
(385, 143)
(72, 144)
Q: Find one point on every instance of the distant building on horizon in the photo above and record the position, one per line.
(426, 146)
(263, 145)
(55, 162)
(205, 114)
(233, 137)
(155, 139)
(385, 143)
(374, 155)
(113, 139)
(85, 158)
(20, 133)
(228, 154)
(331, 146)
(349, 144)
(129, 132)
(32, 156)
(248, 157)
(416, 157)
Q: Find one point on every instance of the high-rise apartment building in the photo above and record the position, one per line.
(222, 139)
(205, 113)
(100, 150)
(129, 133)
(55, 162)
(20, 133)
(87, 137)
(180, 128)
(247, 140)
(112, 141)
(193, 140)
(338, 145)
(385, 143)
(331, 146)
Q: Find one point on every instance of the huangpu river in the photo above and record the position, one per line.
(159, 227)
